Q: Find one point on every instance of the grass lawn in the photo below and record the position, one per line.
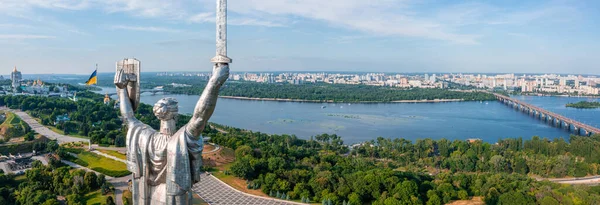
(11, 119)
(54, 129)
(235, 182)
(102, 164)
(20, 179)
(114, 153)
(96, 198)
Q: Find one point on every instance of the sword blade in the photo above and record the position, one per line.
(221, 27)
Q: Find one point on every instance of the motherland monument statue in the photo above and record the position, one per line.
(166, 163)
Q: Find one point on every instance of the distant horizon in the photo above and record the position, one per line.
(343, 72)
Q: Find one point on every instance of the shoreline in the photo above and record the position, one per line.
(331, 101)
(566, 96)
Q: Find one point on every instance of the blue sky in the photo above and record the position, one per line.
(68, 36)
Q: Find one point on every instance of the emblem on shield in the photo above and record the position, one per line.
(131, 69)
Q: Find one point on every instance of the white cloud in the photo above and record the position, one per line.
(375, 17)
(12, 26)
(202, 17)
(146, 28)
(404, 18)
(23, 36)
(253, 22)
(172, 9)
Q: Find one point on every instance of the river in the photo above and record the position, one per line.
(356, 123)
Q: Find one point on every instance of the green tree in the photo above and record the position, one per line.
(242, 168)
(434, 199)
(75, 199)
(354, 199)
(515, 198)
(50, 202)
(91, 180)
(243, 151)
(520, 166)
(492, 196)
(110, 201)
(463, 195)
(548, 200)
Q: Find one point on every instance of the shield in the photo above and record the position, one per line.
(131, 68)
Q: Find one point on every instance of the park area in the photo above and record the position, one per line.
(13, 129)
(96, 198)
(94, 161)
(114, 153)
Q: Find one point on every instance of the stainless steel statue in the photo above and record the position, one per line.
(166, 163)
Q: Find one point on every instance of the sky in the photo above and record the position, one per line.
(70, 36)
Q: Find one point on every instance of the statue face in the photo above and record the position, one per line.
(166, 109)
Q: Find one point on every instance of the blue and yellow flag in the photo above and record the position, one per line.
(93, 79)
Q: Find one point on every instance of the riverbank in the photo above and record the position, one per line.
(560, 95)
(331, 101)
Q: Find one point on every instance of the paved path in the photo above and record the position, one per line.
(40, 129)
(216, 192)
(593, 180)
(118, 149)
(217, 148)
(109, 156)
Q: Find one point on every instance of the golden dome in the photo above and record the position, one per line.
(106, 98)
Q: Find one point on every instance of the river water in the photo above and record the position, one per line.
(356, 123)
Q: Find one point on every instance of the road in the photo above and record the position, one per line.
(217, 148)
(40, 129)
(593, 180)
(109, 156)
(118, 149)
(216, 192)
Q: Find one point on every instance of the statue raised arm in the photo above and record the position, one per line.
(208, 100)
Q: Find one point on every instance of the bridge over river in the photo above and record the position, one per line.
(549, 117)
(153, 91)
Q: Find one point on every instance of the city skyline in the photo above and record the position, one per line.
(69, 37)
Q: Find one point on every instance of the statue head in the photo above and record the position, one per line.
(166, 109)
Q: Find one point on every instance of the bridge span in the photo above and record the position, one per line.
(549, 117)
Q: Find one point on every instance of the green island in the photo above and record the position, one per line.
(584, 105)
(344, 116)
(316, 92)
(322, 92)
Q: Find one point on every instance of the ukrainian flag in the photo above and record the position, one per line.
(93, 79)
